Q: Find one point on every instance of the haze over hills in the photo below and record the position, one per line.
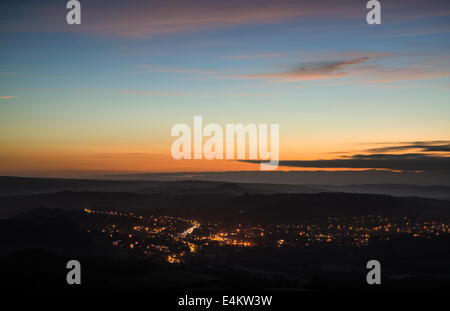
(26, 186)
(222, 200)
(338, 178)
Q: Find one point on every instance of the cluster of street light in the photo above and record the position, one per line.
(175, 239)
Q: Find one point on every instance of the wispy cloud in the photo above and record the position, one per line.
(7, 97)
(176, 70)
(377, 74)
(401, 162)
(310, 71)
(423, 146)
(397, 156)
(255, 56)
(177, 93)
(134, 18)
(157, 17)
(359, 68)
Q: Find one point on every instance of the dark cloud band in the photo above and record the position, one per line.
(407, 162)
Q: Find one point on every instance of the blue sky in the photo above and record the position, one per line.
(117, 83)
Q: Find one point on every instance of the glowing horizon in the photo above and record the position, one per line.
(103, 96)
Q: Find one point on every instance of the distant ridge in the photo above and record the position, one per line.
(26, 186)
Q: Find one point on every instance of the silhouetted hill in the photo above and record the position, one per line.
(42, 270)
(70, 200)
(26, 186)
(50, 230)
(23, 186)
(436, 192)
(247, 207)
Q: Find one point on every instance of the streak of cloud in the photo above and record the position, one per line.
(400, 162)
(146, 19)
(176, 70)
(441, 146)
(357, 69)
(310, 71)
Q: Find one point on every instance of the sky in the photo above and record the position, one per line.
(102, 97)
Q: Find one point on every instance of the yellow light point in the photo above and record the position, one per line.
(192, 247)
(131, 245)
(217, 238)
(173, 259)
